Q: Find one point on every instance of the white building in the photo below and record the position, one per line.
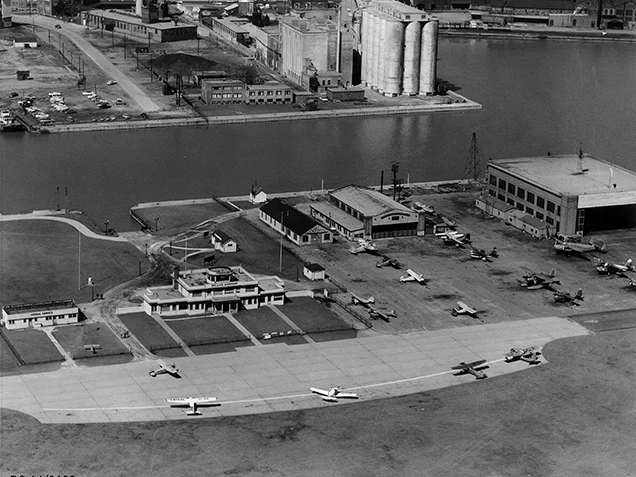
(213, 291)
(223, 242)
(36, 315)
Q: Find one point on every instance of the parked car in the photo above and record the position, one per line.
(111, 82)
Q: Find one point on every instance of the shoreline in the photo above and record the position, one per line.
(536, 34)
(461, 104)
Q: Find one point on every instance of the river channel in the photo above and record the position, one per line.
(537, 96)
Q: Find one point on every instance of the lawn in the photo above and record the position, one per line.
(258, 253)
(33, 346)
(8, 360)
(74, 337)
(264, 320)
(172, 219)
(39, 261)
(148, 331)
(317, 319)
(572, 416)
(206, 330)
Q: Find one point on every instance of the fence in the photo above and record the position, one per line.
(12, 348)
(43, 359)
(308, 331)
(352, 311)
(212, 341)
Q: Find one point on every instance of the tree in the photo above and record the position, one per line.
(248, 74)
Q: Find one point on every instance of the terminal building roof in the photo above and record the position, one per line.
(368, 202)
(39, 307)
(570, 175)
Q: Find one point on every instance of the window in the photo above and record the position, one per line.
(558, 210)
(305, 238)
(549, 220)
(521, 193)
(501, 197)
(395, 217)
(530, 210)
(511, 202)
(492, 192)
(326, 237)
(493, 180)
(511, 188)
(540, 202)
(539, 215)
(520, 206)
(530, 197)
(502, 184)
(551, 207)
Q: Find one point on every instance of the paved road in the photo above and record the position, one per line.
(73, 223)
(73, 33)
(276, 377)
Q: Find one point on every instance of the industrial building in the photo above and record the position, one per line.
(5, 14)
(360, 212)
(293, 224)
(37, 315)
(399, 49)
(575, 194)
(315, 54)
(212, 291)
(230, 91)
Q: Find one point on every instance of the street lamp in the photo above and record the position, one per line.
(106, 224)
(156, 224)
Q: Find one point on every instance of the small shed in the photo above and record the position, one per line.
(23, 75)
(25, 42)
(493, 206)
(223, 242)
(257, 195)
(529, 224)
(313, 271)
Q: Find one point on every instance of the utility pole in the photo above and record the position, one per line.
(395, 166)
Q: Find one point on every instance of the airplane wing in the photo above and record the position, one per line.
(321, 392)
(347, 396)
(407, 279)
(192, 402)
(475, 363)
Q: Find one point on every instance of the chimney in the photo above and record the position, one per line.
(175, 278)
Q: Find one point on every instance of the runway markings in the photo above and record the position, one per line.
(275, 398)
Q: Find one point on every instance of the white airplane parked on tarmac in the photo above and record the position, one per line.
(333, 394)
(413, 277)
(192, 403)
(164, 368)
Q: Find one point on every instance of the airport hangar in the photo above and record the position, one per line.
(361, 212)
(577, 193)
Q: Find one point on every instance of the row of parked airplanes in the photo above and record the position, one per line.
(532, 281)
(529, 355)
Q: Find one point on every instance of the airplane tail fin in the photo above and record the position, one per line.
(371, 300)
(467, 237)
(553, 273)
(579, 294)
(629, 263)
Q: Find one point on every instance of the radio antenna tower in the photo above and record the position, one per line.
(471, 169)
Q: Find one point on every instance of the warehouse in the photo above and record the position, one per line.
(296, 226)
(575, 193)
(360, 212)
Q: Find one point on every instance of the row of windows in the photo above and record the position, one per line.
(523, 194)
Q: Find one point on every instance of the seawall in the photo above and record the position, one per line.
(463, 104)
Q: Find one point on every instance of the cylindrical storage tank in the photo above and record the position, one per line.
(382, 54)
(365, 46)
(375, 56)
(412, 48)
(393, 57)
(428, 62)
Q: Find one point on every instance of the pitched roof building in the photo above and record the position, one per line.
(291, 222)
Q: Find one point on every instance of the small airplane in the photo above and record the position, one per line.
(463, 309)
(429, 209)
(478, 253)
(473, 368)
(631, 284)
(333, 394)
(92, 348)
(364, 246)
(570, 248)
(387, 261)
(164, 368)
(529, 355)
(610, 268)
(455, 238)
(193, 403)
(413, 277)
(536, 281)
(356, 300)
(566, 297)
(374, 313)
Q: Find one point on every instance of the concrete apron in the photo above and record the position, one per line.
(277, 377)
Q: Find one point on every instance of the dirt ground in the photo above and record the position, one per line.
(572, 416)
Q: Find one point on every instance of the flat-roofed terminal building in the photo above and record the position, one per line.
(212, 291)
(36, 315)
(361, 212)
(576, 193)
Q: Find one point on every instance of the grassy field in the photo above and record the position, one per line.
(147, 330)
(264, 320)
(33, 346)
(570, 417)
(174, 219)
(74, 337)
(199, 330)
(39, 260)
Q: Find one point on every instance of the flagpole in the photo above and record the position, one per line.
(79, 260)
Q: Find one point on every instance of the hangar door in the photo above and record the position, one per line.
(608, 218)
